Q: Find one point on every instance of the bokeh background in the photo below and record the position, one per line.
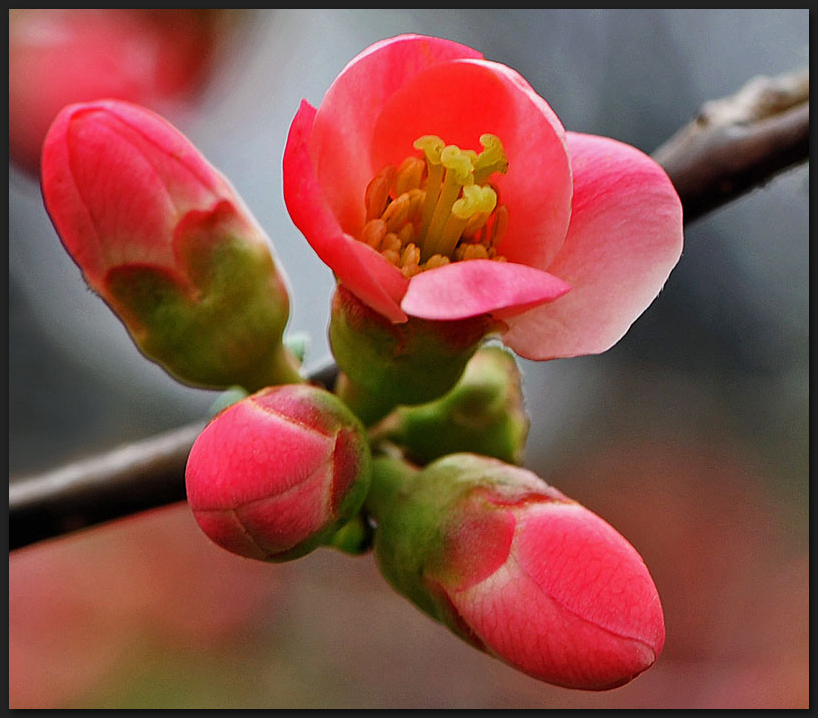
(690, 436)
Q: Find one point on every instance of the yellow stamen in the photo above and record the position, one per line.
(407, 234)
(391, 256)
(397, 212)
(373, 233)
(437, 208)
(436, 260)
(409, 260)
(476, 201)
(458, 166)
(471, 251)
(391, 243)
(492, 159)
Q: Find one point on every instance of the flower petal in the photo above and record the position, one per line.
(624, 239)
(115, 180)
(340, 140)
(365, 272)
(574, 605)
(463, 99)
(479, 286)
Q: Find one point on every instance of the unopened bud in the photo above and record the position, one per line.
(519, 570)
(165, 240)
(277, 474)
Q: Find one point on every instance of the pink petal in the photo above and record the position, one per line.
(624, 239)
(115, 180)
(479, 286)
(281, 521)
(340, 141)
(363, 270)
(588, 568)
(575, 605)
(230, 465)
(463, 99)
(547, 641)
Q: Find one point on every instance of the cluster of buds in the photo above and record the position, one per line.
(551, 242)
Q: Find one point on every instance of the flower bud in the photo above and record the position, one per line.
(167, 243)
(384, 365)
(277, 474)
(484, 414)
(517, 569)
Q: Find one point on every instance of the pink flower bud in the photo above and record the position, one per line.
(520, 571)
(275, 475)
(58, 56)
(164, 239)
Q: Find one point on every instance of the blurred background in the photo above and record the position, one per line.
(690, 436)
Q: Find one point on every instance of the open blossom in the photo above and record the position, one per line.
(276, 474)
(519, 570)
(438, 185)
(166, 241)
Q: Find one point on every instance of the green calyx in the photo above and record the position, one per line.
(386, 365)
(448, 526)
(484, 413)
(216, 323)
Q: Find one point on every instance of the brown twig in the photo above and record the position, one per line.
(739, 142)
(733, 145)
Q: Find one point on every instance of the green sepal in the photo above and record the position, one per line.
(389, 364)
(483, 414)
(353, 538)
(219, 320)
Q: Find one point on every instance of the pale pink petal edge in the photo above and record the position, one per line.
(624, 239)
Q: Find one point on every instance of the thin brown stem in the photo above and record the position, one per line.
(739, 142)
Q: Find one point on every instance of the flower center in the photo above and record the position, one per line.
(438, 208)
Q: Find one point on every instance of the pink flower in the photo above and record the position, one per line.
(166, 241)
(275, 475)
(521, 571)
(57, 56)
(566, 237)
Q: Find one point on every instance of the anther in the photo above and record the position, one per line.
(436, 260)
(471, 251)
(377, 192)
(391, 243)
(492, 159)
(409, 176)
(397, 212)
(373, 232)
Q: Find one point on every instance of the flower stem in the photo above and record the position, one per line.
(389, 475)
(367, 406)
